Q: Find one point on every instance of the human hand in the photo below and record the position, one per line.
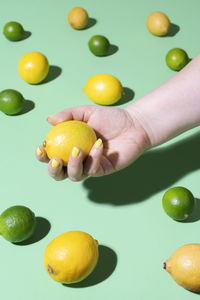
(123, 136)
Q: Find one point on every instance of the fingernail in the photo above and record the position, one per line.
(49, 117)
(75, 152)
(98, 143)
(55, 164)
(38, 151)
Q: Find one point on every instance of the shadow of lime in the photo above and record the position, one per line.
(195, 215)
(105, 267)
(112, 50)
(42, 228)
(26, 35)
(28, 106)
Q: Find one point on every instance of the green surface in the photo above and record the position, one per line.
(122, 211)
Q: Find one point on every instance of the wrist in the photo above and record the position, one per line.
(141, 126)
(141, 123)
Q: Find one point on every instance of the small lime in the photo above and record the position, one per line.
(178, 203)
(11, 102)
(176, 59)
(13, 31)
(99, 45)
(17, 223)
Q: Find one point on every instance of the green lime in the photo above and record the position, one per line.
(13, 31)
(17, 223)
(176, 59)
(178, 203)
(11, 102)
(99, 45)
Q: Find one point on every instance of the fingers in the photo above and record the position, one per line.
(92, 164)
(75, 169)
(41, 155)
(56, 169)
(79, 113)
(75, 165)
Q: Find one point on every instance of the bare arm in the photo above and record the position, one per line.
(173, 107)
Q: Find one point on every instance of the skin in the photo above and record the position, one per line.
(161, 115)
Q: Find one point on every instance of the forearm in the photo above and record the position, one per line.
(173, 107)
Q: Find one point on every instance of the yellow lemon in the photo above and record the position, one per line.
(33, 67)
(64, 136)
(158, 23)
(71, 257)
(104, 89)
(184, 266)
(78, 18)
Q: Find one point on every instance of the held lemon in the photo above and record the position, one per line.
(78, 18)
(184, 266)
(158, 23)
(104, 89)
(33, 67)
(61, 139)
(71, 257)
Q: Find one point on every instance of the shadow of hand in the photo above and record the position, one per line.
(154, 171)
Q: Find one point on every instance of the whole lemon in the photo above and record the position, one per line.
(33, 67)
(104, 89)
(78, 18)
(158, 23)
(71, 257)
(184, 266)
(64, 136)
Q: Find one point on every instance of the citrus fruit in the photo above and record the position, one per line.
(17, 223)
(13, 31)
(184, 266)
(104, 89)
(11, 102)
(61, 139)
(158, 23)
(99, 45)
(78, 18)
(33, 67)
(71, 257)
(178, 203)
(176, 59)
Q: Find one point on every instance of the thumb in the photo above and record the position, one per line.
(79, 113)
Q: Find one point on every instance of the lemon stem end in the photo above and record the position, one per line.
(50, 270)
(164, 265)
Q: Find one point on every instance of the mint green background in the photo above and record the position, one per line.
(123, 211)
